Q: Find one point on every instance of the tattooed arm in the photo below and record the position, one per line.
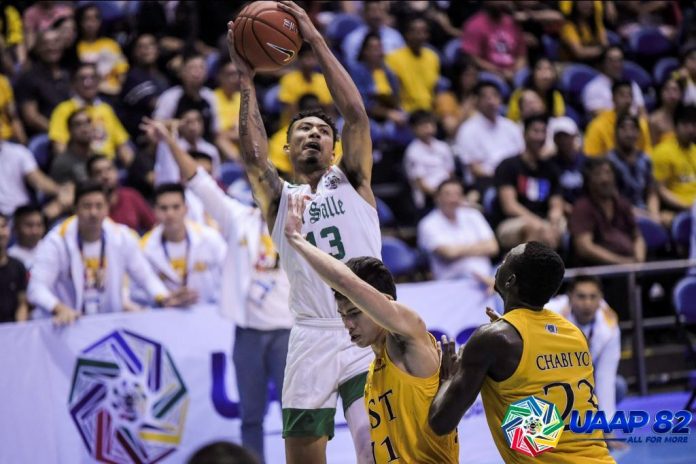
(265, 181)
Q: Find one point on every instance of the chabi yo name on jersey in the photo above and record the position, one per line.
(549, 361)
(325, 209)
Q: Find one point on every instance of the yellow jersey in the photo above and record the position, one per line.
(398, 405)
(556, 366)
(600, 136)
(418, 76)
(675, 167)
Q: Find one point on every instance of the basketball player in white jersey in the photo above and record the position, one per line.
(340, 219)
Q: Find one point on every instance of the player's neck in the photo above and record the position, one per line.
(175, 234)
(312, 178)
(516, 303)
(378, 346)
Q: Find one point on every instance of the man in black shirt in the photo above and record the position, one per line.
(530, 206)
(13, 281)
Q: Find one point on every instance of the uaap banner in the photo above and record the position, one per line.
(154, 386)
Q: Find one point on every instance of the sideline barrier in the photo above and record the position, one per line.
(138, 387)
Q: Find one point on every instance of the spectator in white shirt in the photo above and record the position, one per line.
(183, 253)
(374, 14)
(584, 306)
(190, 128)
(29, 227)
(18, 169)
(459, 241)
(487, 138)
(597, 96)
(428, 161)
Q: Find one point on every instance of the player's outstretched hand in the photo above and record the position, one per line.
(240, 63)
(157, 130)
(308, 30)
(449, 359)
(293, 222)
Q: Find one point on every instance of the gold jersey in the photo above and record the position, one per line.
(398, 405)
(556, 367)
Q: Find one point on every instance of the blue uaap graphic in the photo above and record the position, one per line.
(666, 426)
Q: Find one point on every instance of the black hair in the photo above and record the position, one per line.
(621, 83)
(308, 101)
(222, 452)
(368, 36)
(584, 279)
(199, 155)
(538, 272)
(446, 182)
(461, 63)
(26, 210)
(608, 49)
(92, 160)
(421, 116)
(374, 272)
(169, 187)
(684, 113)
(529, 84)
(574, 17)
(590, 165)
(190, 54)
(317, 113)
(74, 114)
(483, 84)
(80, 14)
(181, 110)
(626, 116)
(528, 121)
(87, 187)
(84, 64)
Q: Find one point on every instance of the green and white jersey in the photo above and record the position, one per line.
(338, 221)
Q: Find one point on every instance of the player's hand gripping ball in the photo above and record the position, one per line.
(267, 37)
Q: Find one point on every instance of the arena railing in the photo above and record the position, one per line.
(635, 305)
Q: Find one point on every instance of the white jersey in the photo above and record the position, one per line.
(338, 221)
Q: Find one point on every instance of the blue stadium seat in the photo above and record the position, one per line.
(613, 38)
(634, 72)
(654, 234)
(229, 172)
(575, 77)
(684, 299)
(664, 68)
(384, 213)
(443, 84)
(681, 228)
(109, 9)
(551, 47)
(451, 51)
(399, 258)
(271, 103)
(649, 42)
(40, 146)
(342, 25)
(573, 114)
(499, 82)
(521, 77)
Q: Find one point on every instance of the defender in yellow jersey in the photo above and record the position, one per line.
(405, 374)
(529, 351)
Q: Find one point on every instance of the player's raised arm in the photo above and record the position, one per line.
(263, 177)
(392, 316)
(357, 144)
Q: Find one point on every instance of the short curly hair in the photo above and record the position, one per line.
(317, 113)
(539, 273)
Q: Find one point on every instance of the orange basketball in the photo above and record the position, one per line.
(266, 36)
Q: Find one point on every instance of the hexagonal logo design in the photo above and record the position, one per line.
(532, 426)
(128, 400)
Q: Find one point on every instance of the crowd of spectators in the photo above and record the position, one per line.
(568, 122)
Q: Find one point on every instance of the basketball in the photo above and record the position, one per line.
(266, 37)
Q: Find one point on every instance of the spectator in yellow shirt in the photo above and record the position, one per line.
(417, 67)
(583, 35)
(111, 139)
(104, 52)
(674, 161)
(227, 97)
(305, 79)
(600, 135)
(543, 81)
(13, 35)
(10, 125)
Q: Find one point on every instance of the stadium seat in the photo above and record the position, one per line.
(342, 25)
(649, 42)
(40, 146)
(684, 299)
(271, 103)
(573, 114)
(384, 213)
(575, 77)
(399, 258)
(451, 51)
(499, 82)
(229, 172)
(551, 47)
(613, 38)
(664, 68)
(635, 72)
(654, 234)
(681, 228)
(521, 77)
(110, 10)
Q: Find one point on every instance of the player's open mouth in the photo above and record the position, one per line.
(312, 146)
(354, 338)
